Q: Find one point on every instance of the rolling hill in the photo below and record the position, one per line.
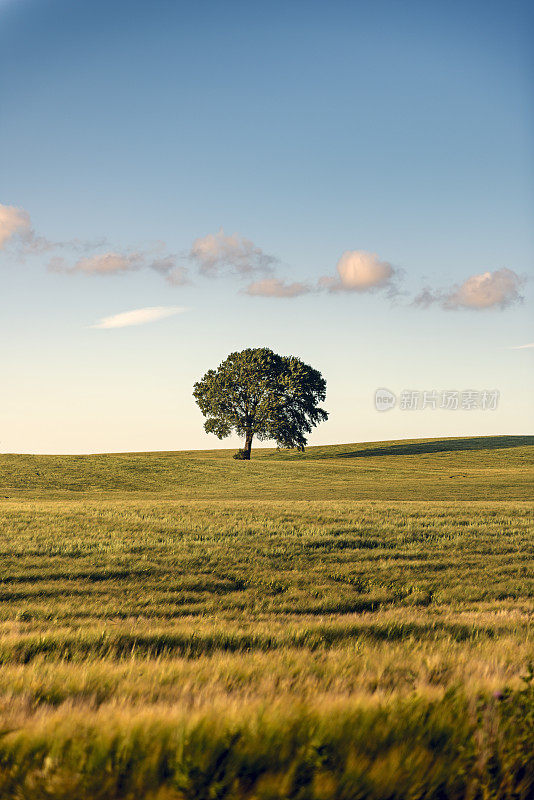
(474, 468)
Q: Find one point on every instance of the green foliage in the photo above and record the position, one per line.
(258, 393)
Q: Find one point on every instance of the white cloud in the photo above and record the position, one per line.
(217, 252)
(273, 287)
(13, 221)
(523, 346)
(139, 316)
(498, 289)
(359, 271)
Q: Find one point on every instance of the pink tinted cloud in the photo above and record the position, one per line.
(274, 287)
(488, 290)
(359, 271)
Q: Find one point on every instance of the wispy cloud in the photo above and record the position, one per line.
(498, 289)
(116, 263)
(426, 298)
(174, 274)
(18, 235)
(359, 271)
(100, 264)
(218, 253)
(273, 287)
(13, 222)
(213, 255)
(523, 346)
(138, 316)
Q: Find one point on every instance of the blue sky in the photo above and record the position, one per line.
(209, 159)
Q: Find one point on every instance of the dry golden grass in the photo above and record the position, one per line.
(329, 649)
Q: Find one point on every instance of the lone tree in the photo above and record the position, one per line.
(259, 393)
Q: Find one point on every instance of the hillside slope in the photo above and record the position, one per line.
(475, 468)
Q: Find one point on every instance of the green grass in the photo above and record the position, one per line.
(348, 623)
(496, 467)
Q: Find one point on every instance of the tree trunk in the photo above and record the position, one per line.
(248, 446)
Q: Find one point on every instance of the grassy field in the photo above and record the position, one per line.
(354, 622)
(478, 468)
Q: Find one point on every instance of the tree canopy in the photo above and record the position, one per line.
(257, 393)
